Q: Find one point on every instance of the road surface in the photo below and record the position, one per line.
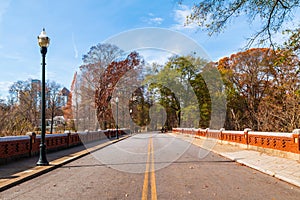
(153, 166)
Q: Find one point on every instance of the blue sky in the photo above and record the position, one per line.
(74, 26)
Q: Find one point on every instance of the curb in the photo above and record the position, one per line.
(40, 170)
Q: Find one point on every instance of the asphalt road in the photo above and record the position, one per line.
(153, 166)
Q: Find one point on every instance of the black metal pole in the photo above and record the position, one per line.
(117, 120)
(43, 160)
(130, 119)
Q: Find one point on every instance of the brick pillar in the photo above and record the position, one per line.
(206, 132)
(69, 139)
(32, 140)
(296, 137)
(246, 130)
(221, 134)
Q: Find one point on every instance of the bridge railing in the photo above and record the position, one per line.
(15, 147)
(287, 142)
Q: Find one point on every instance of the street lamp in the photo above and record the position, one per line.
(43, 41)
(117, 102)
(130, 118)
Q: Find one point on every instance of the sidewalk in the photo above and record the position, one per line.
(284, 169)
(16, 172)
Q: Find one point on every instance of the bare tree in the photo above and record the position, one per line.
(21, 113)
(24, 99)
(215, 15)
(55, 101)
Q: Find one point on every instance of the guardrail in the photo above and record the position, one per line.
(287, 142)
(15, 147)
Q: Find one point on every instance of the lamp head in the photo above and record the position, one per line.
(43, 39)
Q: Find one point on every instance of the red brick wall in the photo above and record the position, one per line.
(14, 148)
(25, 146)
(289, 142)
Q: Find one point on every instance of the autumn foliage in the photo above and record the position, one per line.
(262, 88)
(107, 84)
(260, 85)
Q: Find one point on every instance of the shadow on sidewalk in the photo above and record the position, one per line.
(9, 170)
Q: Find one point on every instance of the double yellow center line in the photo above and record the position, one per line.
(149, 169)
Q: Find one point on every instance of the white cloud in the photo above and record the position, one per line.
(180, 16)
(156, 20)
(155, 55)
(4, 87)
(153, 20)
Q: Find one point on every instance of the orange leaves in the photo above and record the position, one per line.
(266, 81)
(106, 86)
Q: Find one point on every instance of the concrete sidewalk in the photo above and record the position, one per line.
(282, 168)
(14, 173)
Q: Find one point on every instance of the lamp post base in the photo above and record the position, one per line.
(43, 159)
(42, 163)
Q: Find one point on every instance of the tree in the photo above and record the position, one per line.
(214, 16)
(262, 89)
(4, 117)
(55, 101)
(280, 109)
(250, 72)
(22, 111)
(24, 98)
(179, 87)
(292, 45)
(140, 106)
(94, 64)
(107, 84)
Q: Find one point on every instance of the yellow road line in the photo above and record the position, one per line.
(145, 186)
(150, 164)
(153, 181)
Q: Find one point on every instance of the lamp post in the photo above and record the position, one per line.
(117, 102)
(130, 118)
(43, 41)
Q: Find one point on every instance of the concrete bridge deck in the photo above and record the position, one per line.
(284, 169)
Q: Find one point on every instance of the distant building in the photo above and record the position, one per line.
(63, 98)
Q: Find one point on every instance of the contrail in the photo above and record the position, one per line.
(74, 46)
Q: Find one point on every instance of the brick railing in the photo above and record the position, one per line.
(288, 142)
(14, 147)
